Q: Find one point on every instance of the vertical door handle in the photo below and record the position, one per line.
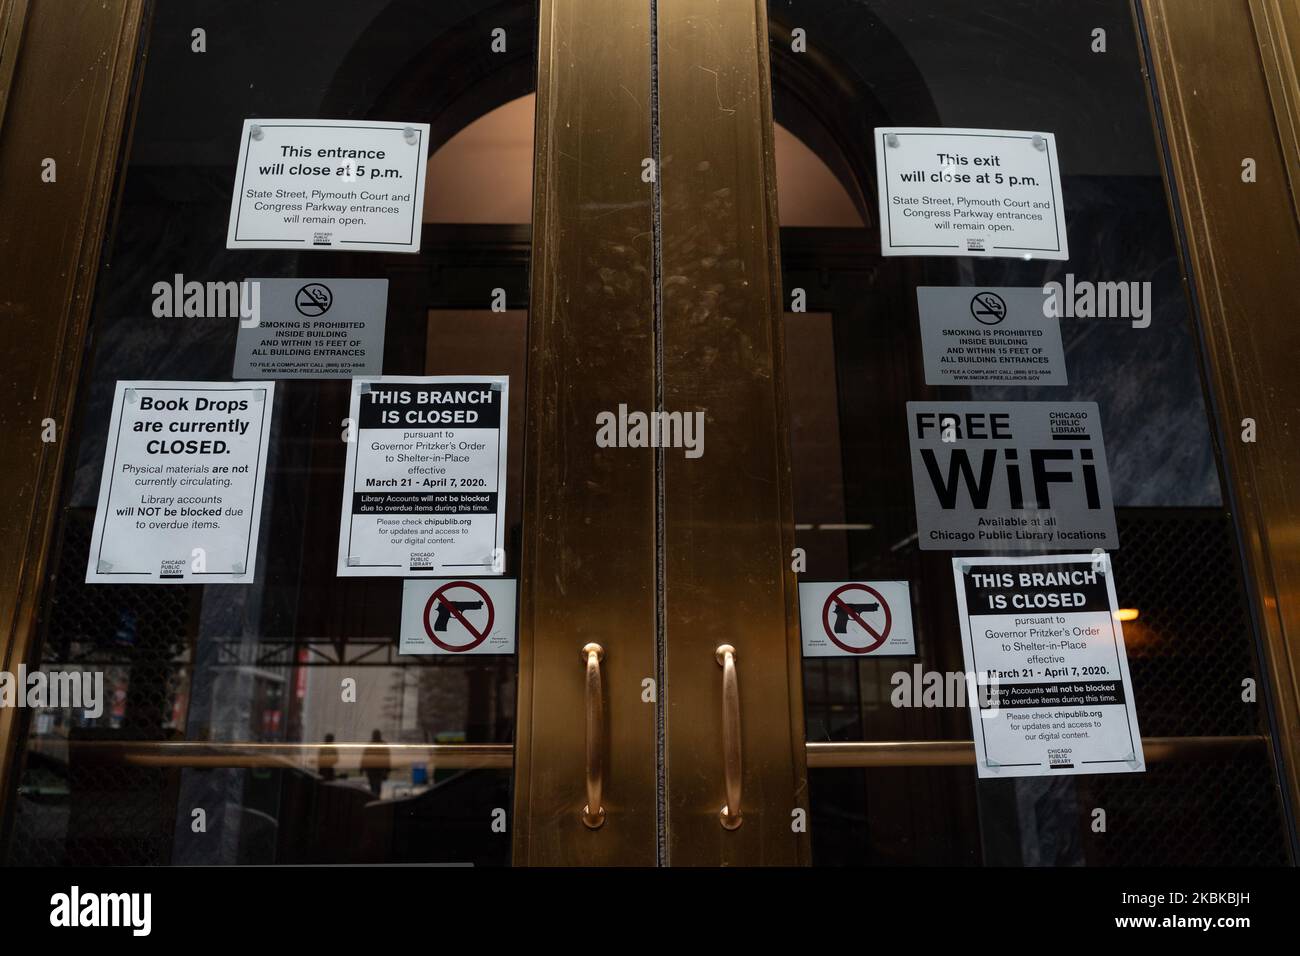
(730, 815)
(593, 814)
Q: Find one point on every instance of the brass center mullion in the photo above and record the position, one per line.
(661, 642)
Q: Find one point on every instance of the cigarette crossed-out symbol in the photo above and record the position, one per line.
(989, 308)
(845, 604)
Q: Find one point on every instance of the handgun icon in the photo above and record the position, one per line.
(444, 611)
(842, 614)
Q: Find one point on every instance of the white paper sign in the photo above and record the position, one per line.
(463, 616)
(329, 184)
(425, 488)
(969, 192)
(314, 328)
(180, 500)
(989, 336)
(1042, 638)
(856, 618)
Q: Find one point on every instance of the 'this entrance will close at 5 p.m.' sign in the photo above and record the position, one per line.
(992, 476)
(856, 618)
(458, 617)
(992, 336)
(180, 500)
(425, 487)
(329, 184)
(1042, 639)
(969, 192)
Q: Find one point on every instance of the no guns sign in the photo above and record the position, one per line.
(458, 617)
(856, 618)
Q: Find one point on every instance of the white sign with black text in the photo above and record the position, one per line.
(314, 328)
(1042, 638)
(180, 500)
(856, 618)
(458, 617)
(993, 476)
(988, 336)
(969, 192)
(329, 184)
(425, 487)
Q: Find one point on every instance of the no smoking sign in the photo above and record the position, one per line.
(856, 619)
(458, 617)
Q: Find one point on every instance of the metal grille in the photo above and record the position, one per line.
(1192, 644)
(68, 812)
(1189, 652)
(1207, 813)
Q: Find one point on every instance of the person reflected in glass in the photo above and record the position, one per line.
(375, 762)
(327, 758)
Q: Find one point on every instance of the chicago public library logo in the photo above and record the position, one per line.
(651, 430)
(83, 690)
(75, 909)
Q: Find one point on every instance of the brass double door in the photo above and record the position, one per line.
(658, 663)
(658, 711)
(662, 694)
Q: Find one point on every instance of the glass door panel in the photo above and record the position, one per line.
(908, 792)
(276, 722)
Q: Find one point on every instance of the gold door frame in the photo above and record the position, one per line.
(1226, 76)
(51, 235)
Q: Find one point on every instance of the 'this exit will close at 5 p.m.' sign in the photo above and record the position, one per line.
(969, 192)
(993, 476)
